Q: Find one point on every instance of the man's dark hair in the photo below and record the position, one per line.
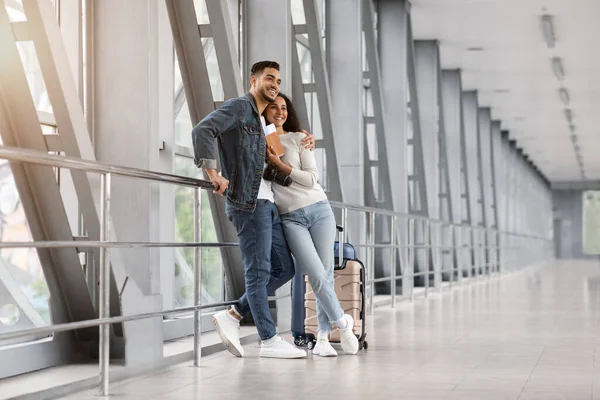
(291, 124)
(258, 68)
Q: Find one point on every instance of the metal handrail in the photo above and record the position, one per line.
(61, 244)
(106, 170)
(91, 323)
(37, 157)
(380, 211)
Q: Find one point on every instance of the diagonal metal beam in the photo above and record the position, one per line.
(420, 203)
(330, 134)
(483, 147)
(298, 88)
(447, 212)
(194, 73)
(231, 76)
(453, 126)
(495, 155)
(372, 54)
(446, 197)
(73, 132)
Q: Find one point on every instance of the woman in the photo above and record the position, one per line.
(309, 225)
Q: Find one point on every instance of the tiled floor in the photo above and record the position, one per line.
(526, 336)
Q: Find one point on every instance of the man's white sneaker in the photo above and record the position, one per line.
(228, 329)
(279, 348)
(347, 337)
(323, 348)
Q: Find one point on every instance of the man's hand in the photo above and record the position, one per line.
(308, 141)
(218, 181)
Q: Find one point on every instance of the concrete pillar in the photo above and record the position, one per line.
(133, 114)
(393, 37)
(268, 33)
(344, 61)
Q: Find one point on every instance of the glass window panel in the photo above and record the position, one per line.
(368, 103)
(321, 159)
(314, 118)
(372, 141)
(214, 75)
(297, 12)
(591, 222)
(48, 129)
(15, 11)
(35, 79)
(23, 281)
(177, 79)
(212, 280)
(305, 62)
(322, 21)
(201, 12)
(183, 127)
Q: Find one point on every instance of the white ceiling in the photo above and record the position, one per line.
(515, 57)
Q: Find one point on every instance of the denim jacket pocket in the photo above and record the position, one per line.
(250, 129)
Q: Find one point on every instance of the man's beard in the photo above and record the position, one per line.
(267, 96)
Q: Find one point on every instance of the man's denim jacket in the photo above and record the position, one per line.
(242, 147)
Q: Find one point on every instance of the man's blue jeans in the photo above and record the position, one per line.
(268, 263)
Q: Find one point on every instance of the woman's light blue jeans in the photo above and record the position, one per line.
(310, 233)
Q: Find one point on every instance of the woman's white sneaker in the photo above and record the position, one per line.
(323, 348)
(347, 336)
(279, 348)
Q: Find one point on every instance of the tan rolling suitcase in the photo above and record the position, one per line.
(349, 277)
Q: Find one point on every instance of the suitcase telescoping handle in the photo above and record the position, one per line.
(340, 230)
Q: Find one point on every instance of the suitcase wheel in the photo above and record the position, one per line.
(300, 340)
(365, 345)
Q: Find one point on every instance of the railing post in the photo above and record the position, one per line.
(456, 246)
(411, 255)
(393, 253)
(492, 250)
(345, 225)
(497, 251)
(104, 283)
(197, 215)
(427, 248)
(372, 260)
(483, 245)
(475, 244)
(470, 253)
(438, 266)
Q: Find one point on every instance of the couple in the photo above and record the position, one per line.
(262, 211)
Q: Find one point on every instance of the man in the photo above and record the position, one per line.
(250, 207)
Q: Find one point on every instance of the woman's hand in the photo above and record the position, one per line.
(273, 157)
(275, 161)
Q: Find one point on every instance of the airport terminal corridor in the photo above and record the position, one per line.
(529, 335)
(148, 147)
